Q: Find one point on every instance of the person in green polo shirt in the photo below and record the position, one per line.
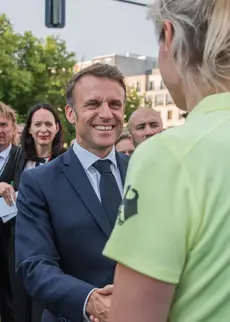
(172, 236)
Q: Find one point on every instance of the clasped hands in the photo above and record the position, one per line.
(98, 305)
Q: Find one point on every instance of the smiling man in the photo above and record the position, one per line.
(67, 208)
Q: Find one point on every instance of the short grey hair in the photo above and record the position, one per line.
(201, 44)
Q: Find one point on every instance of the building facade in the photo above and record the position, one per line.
(129, 64)
(141, 72)
(153, 88)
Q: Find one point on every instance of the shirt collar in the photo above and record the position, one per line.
(4, 154)
(87, 158)
(215, 102)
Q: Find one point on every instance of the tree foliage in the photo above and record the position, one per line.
(134, 101)
(33, 70)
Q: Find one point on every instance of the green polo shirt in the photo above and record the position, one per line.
(174, 221)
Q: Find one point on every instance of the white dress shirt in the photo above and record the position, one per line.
(87, 160)
(4, 156)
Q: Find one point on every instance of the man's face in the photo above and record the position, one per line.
(20, 130)
(125, 146)
(7, 132)
(99, 105)
(145, 124)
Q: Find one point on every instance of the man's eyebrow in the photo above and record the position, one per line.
(92, 100)
(154, 122)
(115, 100)
(142, 123)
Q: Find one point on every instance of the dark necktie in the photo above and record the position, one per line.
(110, 194)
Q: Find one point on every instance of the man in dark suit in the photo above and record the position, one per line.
(67, 208)
(10, 155)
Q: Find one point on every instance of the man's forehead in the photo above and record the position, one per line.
(96, 87)
(124, 143)
(4, 119)
(146, 118)
(124, 140)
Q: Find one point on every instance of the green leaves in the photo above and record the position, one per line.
(33, 70)
(134, 101)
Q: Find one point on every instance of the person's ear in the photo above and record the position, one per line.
(168, 35)
(70, 114)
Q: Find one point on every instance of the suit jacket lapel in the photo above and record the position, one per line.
(76, 175)
(122, 162)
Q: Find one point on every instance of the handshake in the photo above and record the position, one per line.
(98, 305)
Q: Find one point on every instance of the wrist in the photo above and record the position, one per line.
(89, 309)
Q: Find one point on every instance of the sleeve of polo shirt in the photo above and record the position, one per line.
(153, 233)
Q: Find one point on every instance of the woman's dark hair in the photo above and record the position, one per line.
(27, 140)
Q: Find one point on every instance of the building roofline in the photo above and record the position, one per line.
(127, 55)
(105, 56)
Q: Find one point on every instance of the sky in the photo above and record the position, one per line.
(93, 27)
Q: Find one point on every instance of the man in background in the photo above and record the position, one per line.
(9, 154)
(125, 144)
(20, 128)
(144, 123)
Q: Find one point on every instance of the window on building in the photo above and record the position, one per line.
(170, 115)
(162, 86)
(159, 99)
(149, 100)
(169, 99)
(138, 87)
(151, 86)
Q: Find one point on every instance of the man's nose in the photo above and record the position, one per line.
(149, 131)
(105, 111)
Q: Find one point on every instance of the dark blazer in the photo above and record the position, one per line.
(6, 298)
(21, 163)
(25, 309)
(61, 231)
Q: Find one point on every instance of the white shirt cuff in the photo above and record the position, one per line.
(85, 317)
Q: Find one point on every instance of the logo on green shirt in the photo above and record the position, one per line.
(129, 206)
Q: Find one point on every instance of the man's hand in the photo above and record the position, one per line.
(107, 290)
(8, 193)
(99, 304)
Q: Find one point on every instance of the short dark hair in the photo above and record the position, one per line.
(97, 70)
(27, 140)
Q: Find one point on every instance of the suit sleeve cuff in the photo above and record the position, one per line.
(85, 317)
